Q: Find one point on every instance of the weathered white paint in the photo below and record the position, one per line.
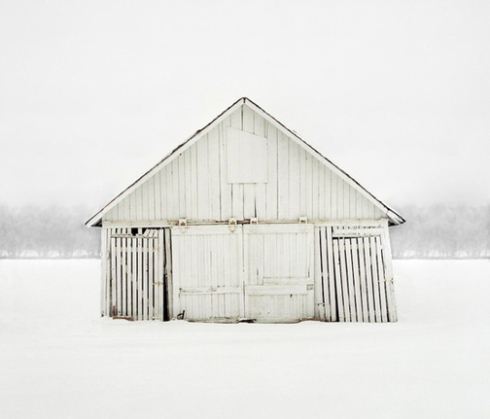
(246, 157)
(274, 272)
(246, 166)
(360, 282)
(289, 181)
(279, 280)
(262, 272)
(133, 273)
(207, 273)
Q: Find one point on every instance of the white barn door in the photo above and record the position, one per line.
(357, 274)
(207, 272)
(136, 263)
(279, 263)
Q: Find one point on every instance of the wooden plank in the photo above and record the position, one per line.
(334, 181)
(352, 202)
(346, 208)
(202, 179)
(225, 187)
(359, 232)
(139, 276)
(280, 280)
(342, 302)
(161, 206)
(321, 192)
(362, 279)
(349, 315)
(182, 191)
(123, 250)
(187, 183)
(308, 249)
(237, 189)
(112, 304)
(260, 188)
(276, 289)
(150, 193)
(165, 308)
(211, 290)
(118, 276)
(128, 276)
(151, 277)
(159, 196)
(241, 259)
(341, 214)
(283, 177)
(328, 194)
(375, 279)
(350, 280)
(323, 266)
(248, 188)
(332, 288)
(169, 273)
(169, 198)
(357, 283)
(176, 200)
(319, 301)
(158, 285)
(314, 189)
(272, 173)
(176, 266)
(368, 279)
(308, 185)
(214, 167)
(382, 281)
(294, 181)
(134, 279)
(302, 184)
(144, 254)
(387, 258)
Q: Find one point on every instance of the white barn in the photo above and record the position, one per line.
(245, 221)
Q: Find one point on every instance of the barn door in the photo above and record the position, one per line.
(207, 272)
(137, 272)
(279, 283)
(357, 274)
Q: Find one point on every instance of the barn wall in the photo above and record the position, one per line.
(354, 273)
(136, 273)
(195, 184)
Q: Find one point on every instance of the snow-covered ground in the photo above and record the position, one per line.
(59, 359)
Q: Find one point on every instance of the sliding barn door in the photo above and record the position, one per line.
(355, 265)
(207, 273)
(137, 266)
(278, 261)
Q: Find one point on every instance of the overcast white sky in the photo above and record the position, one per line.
(92, 94)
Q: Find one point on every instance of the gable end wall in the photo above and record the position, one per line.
(195, 184)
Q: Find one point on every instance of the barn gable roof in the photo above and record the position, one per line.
(393, 217)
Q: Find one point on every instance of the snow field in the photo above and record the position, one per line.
(59, 359)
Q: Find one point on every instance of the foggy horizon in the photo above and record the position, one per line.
(94, 94)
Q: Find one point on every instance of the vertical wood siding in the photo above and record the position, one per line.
(260, 272)
(135, 273)
(279, 271)
(195, 185)
(355, 270)
(207, 273)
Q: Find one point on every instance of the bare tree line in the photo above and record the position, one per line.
(442, 232)
(33, 232)
(430, 232)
